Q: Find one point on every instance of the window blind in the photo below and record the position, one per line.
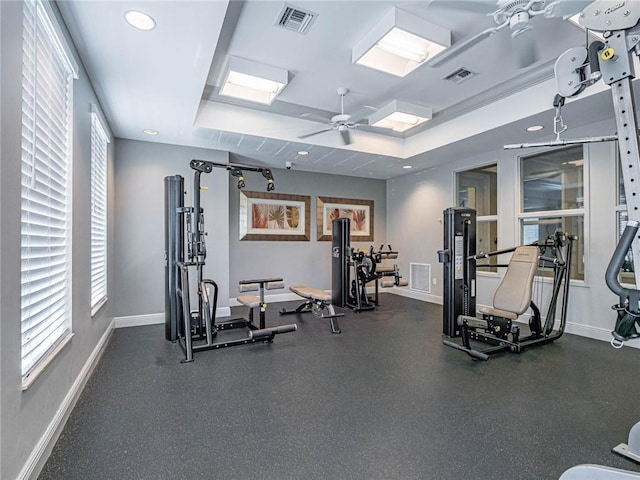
(99, 144)
(46, 186)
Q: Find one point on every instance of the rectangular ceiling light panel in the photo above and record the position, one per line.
(400, 116)
(253, 81)
(400, 43)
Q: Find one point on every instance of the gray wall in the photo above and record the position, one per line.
(307, 263)
(140, 169)
(26, 415)
(416, 202)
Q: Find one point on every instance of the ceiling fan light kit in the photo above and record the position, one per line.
(400, 43)
(400, 116)
(253, 81)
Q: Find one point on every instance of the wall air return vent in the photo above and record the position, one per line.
(420, 277)
(460, 75)
(295, 18)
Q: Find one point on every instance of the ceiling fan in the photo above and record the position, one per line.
(342, 122)
(516, 14)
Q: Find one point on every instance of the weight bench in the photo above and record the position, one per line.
(316, 301)
(253, 301)
(261, 332)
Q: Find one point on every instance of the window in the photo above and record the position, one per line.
(552, 186)
(627, 274)
(47, 80)
(99, 144)
(477, 189)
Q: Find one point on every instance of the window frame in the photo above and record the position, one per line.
(99, 218)
(567, 212)
(481, 218)
(41, 27)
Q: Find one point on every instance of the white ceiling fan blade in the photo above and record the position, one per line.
(315, 117)
(346, 137)
(524, 47)
(306, 135)
(484, 7)
(462, 46)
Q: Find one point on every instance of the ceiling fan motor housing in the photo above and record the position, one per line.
(519, 21)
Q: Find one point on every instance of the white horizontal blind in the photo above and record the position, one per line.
(99, 143)
(46, 187)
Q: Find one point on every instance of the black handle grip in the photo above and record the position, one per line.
(615, 264)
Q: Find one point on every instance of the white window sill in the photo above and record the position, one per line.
(45, 361)
(96, 308)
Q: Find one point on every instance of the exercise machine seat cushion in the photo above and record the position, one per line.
(384, 268)
(513, 295)
(311, 293)
(250, 301)
(254, 287)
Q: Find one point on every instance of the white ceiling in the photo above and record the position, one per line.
(167, 79)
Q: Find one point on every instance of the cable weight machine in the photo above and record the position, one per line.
(185, 250)
(345, 291)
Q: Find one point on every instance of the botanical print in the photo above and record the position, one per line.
(358, 219)
(273, 216)
(359, 212)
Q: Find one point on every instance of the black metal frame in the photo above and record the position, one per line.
(195, 330)
(317, 307)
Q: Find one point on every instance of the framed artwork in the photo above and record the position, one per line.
(274, 216)
(360, 212)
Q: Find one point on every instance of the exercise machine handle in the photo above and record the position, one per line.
(615, 264)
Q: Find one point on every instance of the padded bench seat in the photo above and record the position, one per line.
(391, 283)
(311, 293)
(250, 301)
(254, 287)
(382, 268)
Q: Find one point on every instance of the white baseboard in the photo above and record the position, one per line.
(34, 464)
(139, 320)
(407, 292)
(156, 318)
(597, 333)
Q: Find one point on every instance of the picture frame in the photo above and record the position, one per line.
(360, 212)
(274, 216)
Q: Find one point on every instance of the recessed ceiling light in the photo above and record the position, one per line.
(407, 167)
(150, 131)
(140, 20)
(535, 128)
(303, 152)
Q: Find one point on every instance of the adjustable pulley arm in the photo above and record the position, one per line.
(197, 248)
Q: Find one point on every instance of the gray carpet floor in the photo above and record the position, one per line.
(383, 400)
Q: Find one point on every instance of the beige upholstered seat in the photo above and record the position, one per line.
(513, 295)
(250, 301)
(311, 293)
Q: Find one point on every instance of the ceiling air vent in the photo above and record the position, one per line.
(460, 75)
(295, 18)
